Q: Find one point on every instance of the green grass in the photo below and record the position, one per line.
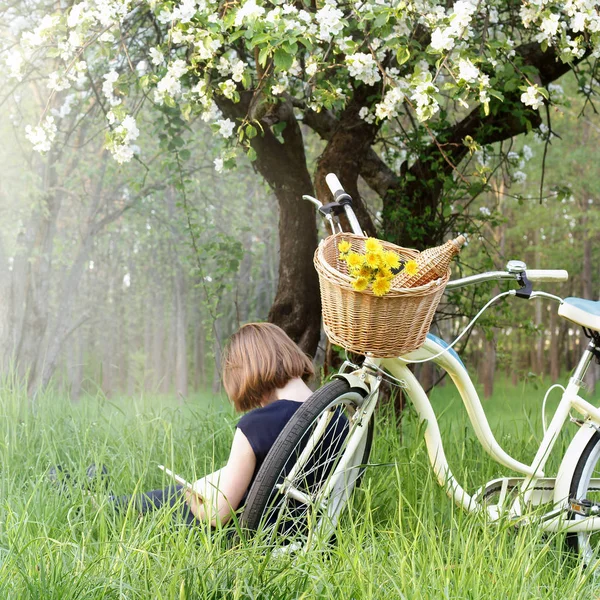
(402, 538)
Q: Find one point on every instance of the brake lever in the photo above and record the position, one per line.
(323, 210)
(526, 287)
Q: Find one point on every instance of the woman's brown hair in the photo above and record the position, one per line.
(259, 358)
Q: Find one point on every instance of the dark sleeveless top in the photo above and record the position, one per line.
(261, 427)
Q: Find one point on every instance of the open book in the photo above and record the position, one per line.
(181, 481)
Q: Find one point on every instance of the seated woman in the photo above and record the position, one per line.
(264, 375)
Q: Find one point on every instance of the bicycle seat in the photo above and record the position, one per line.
(580, 311)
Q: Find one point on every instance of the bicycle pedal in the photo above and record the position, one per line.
(585, 508)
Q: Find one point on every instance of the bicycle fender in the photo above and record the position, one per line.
(354, 381)
(564, 477)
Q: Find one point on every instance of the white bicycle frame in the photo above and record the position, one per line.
(534, 488)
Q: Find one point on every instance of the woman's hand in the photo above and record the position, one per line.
(219, 494)
(195, 502)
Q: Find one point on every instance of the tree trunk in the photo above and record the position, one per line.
(216, 379)
(181, 370)
(5, 279)
(297, 305)
(179, 308)
(199, 354)
(515, 355)
(171, 349)
(158, 339)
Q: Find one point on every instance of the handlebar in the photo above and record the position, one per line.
(341, 198)
(333, 183)
(527, 274)
(547, 275)
(515, 270)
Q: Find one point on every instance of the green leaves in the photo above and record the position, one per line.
(402, 55)
(263, 56)
(283, 60)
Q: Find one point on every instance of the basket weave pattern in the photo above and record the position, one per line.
(361, 322)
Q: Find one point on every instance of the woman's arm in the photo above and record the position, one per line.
(220, 493)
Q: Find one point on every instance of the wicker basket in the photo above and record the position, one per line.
(361, 322)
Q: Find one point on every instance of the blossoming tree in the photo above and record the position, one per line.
(410, 95)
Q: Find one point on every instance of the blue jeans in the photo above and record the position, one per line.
(171, 496)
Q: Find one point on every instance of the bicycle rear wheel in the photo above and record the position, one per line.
(585, 485)
(312, 468)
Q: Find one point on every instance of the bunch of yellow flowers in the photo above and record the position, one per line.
(376, 267)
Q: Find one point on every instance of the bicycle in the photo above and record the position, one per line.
(315, 464)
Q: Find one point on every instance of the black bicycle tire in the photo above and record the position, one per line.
(572, 539)
(285, 444)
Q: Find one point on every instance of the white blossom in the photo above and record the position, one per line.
(122, 153)
(467, 71)
(442, 39)
(39, 35)
(237, 70)
(110, 79)
(390, 104)
(42, 136)
(121, 146)
(129, 128)
(228, 88)
(363, 67)
(66, 107)
(280, 87)
(165, 17)
(14, 62)
(527, 152)
(311, 67)
(250, 11)
(226, 127)
(463, 11)
(58, 82)
(156, 57)
(107, 37)
(78, 14)
(365, 115)
(185, 11)
(211, 112)
(548, 27)
(578, 22)
(426, 104)
(218, 162)
(330, 23)
(170, 84)
(532, 97)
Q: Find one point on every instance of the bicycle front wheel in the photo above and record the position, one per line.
(312, 468)
(585, 485)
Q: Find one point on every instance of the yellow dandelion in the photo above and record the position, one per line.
(411, 267)
(381, 286)
(360, 284)
(355, 260)
(373, 245)
(344, 246)
(365, 271)
(372, 259)
(384, 274)
(392, 260)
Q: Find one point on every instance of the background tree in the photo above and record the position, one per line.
(401, 93)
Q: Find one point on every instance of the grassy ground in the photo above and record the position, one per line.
(402, 539)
